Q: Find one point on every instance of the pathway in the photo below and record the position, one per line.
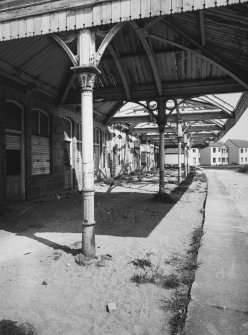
(219, 294)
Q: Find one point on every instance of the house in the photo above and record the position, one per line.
(214, 154)
(238, 151)
(171, 156)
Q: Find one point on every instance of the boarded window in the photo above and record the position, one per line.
(40, 155)
(40, 143)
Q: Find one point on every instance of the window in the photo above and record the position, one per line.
(40, 143)
(97, 135)
(241, 150)
(245, 150)
(105, 151)
(219, 149)
(223, 160)
(40, 123)
(246, 159)
(223, 151)
(219, 160)
(214, 150)
(194, 150)
(13, 139)
(214, 160)
(242, 159)
(13, 116)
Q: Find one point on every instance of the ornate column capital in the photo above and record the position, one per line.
(86, 76)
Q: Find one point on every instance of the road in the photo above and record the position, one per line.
(219, 304)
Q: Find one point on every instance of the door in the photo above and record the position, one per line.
(67, 154)
(14, 153)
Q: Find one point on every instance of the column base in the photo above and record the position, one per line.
(161, 181)
(88, 241)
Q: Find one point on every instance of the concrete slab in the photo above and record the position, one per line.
(220, 291)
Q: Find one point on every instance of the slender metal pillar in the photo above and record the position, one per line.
(161, 125)
(188, 147)
(179, 138)
(161, 158)
(87, 74)
(185, 155)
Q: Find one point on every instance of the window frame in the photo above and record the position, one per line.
(40, 111)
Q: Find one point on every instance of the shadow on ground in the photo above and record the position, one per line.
(124, 214)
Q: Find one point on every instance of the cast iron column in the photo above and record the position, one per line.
(179, 138)
(87, 72)
(185, 155)
(161, 126)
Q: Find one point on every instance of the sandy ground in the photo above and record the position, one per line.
(41, 283)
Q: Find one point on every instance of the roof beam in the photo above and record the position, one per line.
(194, 116)
(65, 47)
(202, 27)
(141, 33)
(180, 90)
(106, 41)
(113, 111)
(121, 71)
(168, 130)
(67, 88)
(208, 55)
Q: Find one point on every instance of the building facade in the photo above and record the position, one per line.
(215, 154)
(171, 156)
(41, 148)
(238, 151)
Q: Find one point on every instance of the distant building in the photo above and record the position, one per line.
(214, 154)
(238, 151)
(171, 156)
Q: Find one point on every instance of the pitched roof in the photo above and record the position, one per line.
(171, 151)
(217, 144)
(239, 143)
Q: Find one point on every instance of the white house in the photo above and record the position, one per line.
(171, 156)
(238, 151)
(214, 154)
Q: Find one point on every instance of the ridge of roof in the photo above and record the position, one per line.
(239, 143)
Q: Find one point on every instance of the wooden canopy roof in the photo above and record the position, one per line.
(175, 55)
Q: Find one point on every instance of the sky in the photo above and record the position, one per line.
(240, 130)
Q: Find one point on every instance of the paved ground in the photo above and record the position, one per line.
(219, 303)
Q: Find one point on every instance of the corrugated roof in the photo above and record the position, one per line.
(240, 143)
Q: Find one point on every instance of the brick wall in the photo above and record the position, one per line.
(2, 158)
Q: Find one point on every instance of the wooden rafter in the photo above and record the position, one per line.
(67, 88)
(141, 34)
(171, 90)
(190, 129)
(113, 111)
(202, 27)
(107, 39)
(203, 52)
(192, 116)
(121, 72)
